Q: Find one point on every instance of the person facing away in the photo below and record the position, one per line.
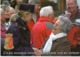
(43, 27)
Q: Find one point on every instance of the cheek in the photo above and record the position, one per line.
(28, 18)
(56, 28)
(7, 14)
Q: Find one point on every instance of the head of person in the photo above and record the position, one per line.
(13, 18)
(2, 17)
(72, 5)
(25, 11)
(47, 11)
(6, 3)
(36, 3)
(11, 11)
(6, 9)
(63, 24)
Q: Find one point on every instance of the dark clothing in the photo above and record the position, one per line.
(75, 16)
(61, 45)
(2, 46)
(21, 37)
(77, 50)
(74, 33)
(13, 4)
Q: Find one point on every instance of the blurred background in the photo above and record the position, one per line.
(58, 5)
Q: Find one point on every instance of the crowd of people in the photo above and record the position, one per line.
(37, 32)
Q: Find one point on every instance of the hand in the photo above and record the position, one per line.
(37, 52)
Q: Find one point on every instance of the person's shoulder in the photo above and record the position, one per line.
(13, 26)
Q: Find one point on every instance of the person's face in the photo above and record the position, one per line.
(37, 7)
(3, 19)
(27, 16)
(7, 13)
(51, 16)
(56, 27)
(12, 11)
(72, 5)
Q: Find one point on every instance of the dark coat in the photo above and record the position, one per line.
(74, 16)
(21, 36)
(61, 45)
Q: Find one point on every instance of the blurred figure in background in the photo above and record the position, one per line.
(3, 19)
(43, 27)
(36, 15)
(7, 23)
(74, 16)
(3, 29)
(73, 10)
(8, 12)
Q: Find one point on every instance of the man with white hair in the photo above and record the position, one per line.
(43, 27)
(58, 41)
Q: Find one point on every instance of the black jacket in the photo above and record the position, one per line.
(21, 36)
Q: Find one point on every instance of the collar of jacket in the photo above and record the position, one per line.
(20, 20)
(43, 19)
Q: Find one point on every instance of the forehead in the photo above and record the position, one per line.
(58, 21)
(70, 1)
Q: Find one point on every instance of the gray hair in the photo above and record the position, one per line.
(66, 24)
(6, 3)
(5, 7)
(45, 11)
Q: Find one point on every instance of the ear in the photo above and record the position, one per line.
(49, 16)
